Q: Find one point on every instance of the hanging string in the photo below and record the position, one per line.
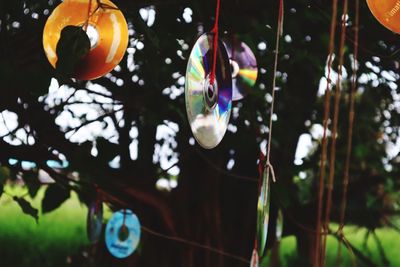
(100, 5)
(113, 199)
(215, 42)
(351, 40)
(85, 26)
(317, 252)
(279, 34)
(265, 162)
(332, 157)
(350, 129)
(195, 244)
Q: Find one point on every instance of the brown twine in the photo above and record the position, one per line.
(332, 156)
(343, 203)
(317, 252)
(351, 40)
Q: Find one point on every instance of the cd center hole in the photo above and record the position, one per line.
(234, 68)
(210, 91)
(93, 35)
(123, 233)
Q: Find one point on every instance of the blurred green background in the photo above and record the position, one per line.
(58, 235)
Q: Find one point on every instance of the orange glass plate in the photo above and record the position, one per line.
(107, 29)
(387, 12)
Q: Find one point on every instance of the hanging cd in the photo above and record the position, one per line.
(105, 26)
(122, 233)
(263, 213)
(387, 12)
(254, 259)
(244, 68)
(208, 105)
(279, 226)
(95, 221)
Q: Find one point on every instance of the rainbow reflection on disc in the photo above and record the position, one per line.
(263, 214)
(95, 221)
(208, 105)
(123, 233)
(244, 68)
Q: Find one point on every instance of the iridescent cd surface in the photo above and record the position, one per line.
(123, 233)
(263, 214)
(244, 68)
(208, 105)
(95, 221)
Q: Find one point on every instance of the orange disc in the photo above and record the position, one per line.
(387, 12)
(107, 30)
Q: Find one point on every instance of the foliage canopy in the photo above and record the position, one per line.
(128, 133)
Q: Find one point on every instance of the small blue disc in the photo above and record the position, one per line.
(122, 233)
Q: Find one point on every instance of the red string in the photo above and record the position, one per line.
(123, 222)
(280, 18)
(215, 43)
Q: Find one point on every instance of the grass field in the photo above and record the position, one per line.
(63, 232)
(23, 242)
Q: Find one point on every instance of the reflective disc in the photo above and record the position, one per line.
(123, 233)
(263, 214)
(244, 68)
(208, 105)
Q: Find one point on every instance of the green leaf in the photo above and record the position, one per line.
(1, 190)
(32, 182)
(54, 197)
(74, 44)
(27, 208)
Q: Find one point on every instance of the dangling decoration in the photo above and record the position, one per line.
(254, 259)
(387, 12)
(95, 220)
(263, 211)
(263, 216)
(123, 233)
(104, 24)
(244, 68)
(208, 104)
(265, 167)
(279, 226)
(208, 88)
